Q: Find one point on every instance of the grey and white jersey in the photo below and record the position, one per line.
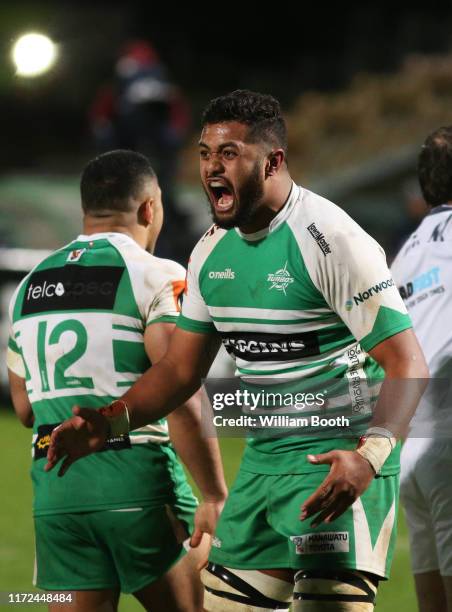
(423, 273)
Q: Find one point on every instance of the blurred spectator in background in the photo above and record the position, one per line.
(415, 210)
(142, 110)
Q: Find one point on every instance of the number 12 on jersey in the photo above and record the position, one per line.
(46, 339)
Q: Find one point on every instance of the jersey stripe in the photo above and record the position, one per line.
(239, 313)
(267, 326)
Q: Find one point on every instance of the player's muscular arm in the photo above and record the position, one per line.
(185, 426)
(173, 379)
(160, 390)
(200, 454)
(20, 399)
(406, 378)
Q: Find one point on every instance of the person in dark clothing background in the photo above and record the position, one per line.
(142, 110)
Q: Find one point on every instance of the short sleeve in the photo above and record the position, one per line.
(195, 316)
(166, 305)
(355, 281)
(14, 359)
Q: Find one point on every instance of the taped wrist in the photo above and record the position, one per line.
(117, 415)
(376, 446)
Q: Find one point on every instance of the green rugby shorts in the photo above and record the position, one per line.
(110, 549)
(260, 526)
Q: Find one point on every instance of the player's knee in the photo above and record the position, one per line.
(230, 590)
(335, 591)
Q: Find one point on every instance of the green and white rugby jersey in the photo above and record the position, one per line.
(77, 337)
(303, 299)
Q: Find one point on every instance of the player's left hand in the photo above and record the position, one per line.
(206, 518)
(349, 477)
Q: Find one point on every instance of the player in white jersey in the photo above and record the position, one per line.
(423, 273)
(284, 278)
(85, 323)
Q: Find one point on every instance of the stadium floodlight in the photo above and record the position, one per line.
(33, 54)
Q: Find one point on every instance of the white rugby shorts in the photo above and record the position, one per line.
(426, 494)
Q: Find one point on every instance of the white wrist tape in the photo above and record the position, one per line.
(382, 432)
(117, 415)
(376, 448)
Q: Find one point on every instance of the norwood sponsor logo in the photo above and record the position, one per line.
(368, 293)
(319, 238)
(227, 274)
(426, 280)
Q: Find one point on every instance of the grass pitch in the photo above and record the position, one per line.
(17, 543)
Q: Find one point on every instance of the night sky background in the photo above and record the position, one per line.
(209, 49)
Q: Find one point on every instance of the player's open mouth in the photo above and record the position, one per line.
(222, 196)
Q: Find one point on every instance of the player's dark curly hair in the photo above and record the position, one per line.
(261, 112)
(435, 167)
(110, 181)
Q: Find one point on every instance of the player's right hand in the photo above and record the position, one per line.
(84, 433)
(206, 518)
(350, 475)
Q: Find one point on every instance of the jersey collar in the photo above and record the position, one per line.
(283, 215)
(105, 235)
(438, 209)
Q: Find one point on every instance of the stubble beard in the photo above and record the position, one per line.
(248, 198)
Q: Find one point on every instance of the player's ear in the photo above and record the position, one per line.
(146, 212)
(274, 161)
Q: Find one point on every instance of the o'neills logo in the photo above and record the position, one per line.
(319, 238)
(365, 295)
(223, 274)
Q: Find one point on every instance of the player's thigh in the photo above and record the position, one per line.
(430, 592)
(89, 601)
(69, 557)
(328, 590)
(178, 590)
(235, 590)
(245, 543)
(433, 476)
(416, 503)
(362, 538)
(243, 537)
